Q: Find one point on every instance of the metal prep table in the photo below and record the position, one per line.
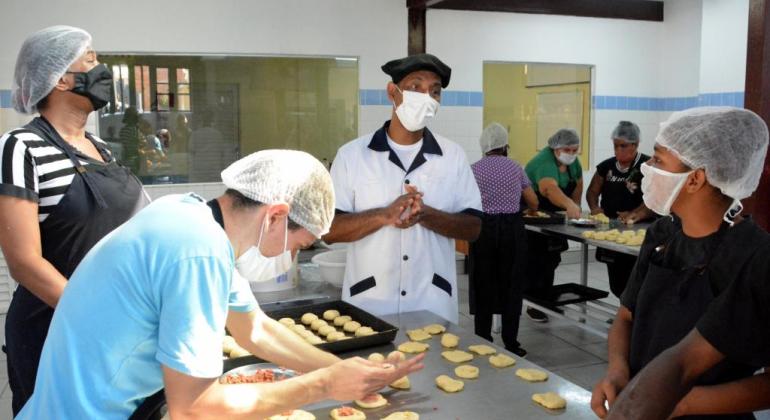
(592, 315)
(497, 394)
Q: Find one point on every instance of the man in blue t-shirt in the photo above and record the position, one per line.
(147, 307)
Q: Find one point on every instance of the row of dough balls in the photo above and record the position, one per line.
(324, 329)
(627, 237)
(232, 349)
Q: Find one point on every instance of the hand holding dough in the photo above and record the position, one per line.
(434, 329)
(372, 401)
(413, 347)
(450, 340)
(482, 349)
(501, 360)
(457, 356)
(467, 372)
(418, 335)
(532, 375)
(550, 400)
(402, 383)
(448, 384)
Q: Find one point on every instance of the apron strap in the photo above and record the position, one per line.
(44, 129)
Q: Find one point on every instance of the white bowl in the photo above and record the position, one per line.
(331, 265)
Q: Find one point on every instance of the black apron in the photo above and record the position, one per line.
(100, 198)
(669, 305)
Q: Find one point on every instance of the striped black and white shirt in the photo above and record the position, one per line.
(35, 169)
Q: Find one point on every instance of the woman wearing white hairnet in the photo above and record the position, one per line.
(61, 190)
(147, 308)
(706, 160)
(498, 257)
(557, 178)
(617, 182)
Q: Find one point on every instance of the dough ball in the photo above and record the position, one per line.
(402, 383)
(448, 384)
(372, 401)
(331, 314)
(501, 361)
(450, 340)
(396, 356)
(341, 320)
(351, 326)
(293, 415)
(318, 323)
(550, 400)
(287, 321)
(418, 335)
(326, 330)
(347, 413)
(482, 349)
(532, 375)
(365, 331)
(228, 344)
(413, 347)
(239, 352)
(457, 356)
(376, 357)
(434, 329)
(467, 372)
(403, 415)
(335, 336)
(308, 318)
(314, 340)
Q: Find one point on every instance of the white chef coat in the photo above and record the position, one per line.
(400, 270)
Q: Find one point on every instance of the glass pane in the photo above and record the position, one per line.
(243, 104)
(182, 75)
(125, 86)
(116, 90)
(161, 74)
(138, 79)
(183, 102)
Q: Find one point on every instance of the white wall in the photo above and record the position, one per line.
(679, 54)
(723, 45)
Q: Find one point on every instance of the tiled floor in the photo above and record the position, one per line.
(558, 346)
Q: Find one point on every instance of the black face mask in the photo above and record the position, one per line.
(96, 85)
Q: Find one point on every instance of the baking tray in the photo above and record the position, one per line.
(586, 223)
(386, 332)
(552, 219)
(565, 294)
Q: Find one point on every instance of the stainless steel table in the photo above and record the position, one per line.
(496, 394)
(591, 315)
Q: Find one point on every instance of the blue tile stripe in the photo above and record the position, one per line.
(476, 99)
(632, 103)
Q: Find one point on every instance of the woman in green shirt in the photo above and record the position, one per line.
(557, 178)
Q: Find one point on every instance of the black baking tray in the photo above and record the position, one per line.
(386, 332)
(565, 294)
(552, 219)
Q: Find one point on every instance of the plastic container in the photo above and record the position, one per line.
(285, 281)
(332, 266)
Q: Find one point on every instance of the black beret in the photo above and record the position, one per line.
(400, 68)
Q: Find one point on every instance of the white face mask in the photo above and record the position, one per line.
(416, 109)
(256, 267)
(566, 158)
(660, 188)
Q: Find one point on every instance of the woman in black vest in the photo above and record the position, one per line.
(61, 191)
(617, 183)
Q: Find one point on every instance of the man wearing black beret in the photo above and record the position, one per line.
(403, 195)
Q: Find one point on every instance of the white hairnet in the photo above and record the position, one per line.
(43, 59)
(286, 176)
(627, 131)
(728, 143)
(564, 138)
(493, 137)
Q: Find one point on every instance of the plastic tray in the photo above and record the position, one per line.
(565, 294)
(386, 332)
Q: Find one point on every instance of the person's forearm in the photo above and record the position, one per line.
(351, 227)
(592, 198)
(642, 213)
(618, 347)
(741, 396)
(40, 277)
(452, 225)
(557, 197)
(250, 401)
(577, 195)
(530, 198)
(281, 346)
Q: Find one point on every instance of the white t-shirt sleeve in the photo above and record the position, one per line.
(241, 298)
(467, 194)
(343, 193)
(193, 298)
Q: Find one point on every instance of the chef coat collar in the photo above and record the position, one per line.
(379, 143)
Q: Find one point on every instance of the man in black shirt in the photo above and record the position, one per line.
(705, 161)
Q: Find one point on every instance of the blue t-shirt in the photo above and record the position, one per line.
(153, 292)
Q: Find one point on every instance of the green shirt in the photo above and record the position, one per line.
(545, 165)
